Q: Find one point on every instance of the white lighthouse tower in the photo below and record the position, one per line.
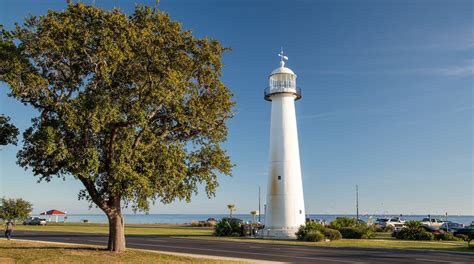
(285, 203)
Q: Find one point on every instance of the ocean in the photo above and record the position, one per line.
(188, 218)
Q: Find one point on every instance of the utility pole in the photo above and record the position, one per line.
(259, 211)
(357, 201)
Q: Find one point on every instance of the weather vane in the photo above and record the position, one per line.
(282, 58)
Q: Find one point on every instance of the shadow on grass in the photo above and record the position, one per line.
(57, 248)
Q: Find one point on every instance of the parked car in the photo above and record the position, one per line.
(464, 231)
(433, 230)
(35, 221)
(451, 227)
(396, 222)
(432, 222)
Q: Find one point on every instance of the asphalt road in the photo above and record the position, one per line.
(257, 251)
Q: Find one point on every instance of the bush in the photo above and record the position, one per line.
(303, 230)
(389, 228)
(351, 228)
(311, 231)
(342, 222)
(226, 227)
(414, 231)
(446, 236)
(462, 237)
(352, 232)
(332, 234)
(425, 236)
(314, 236)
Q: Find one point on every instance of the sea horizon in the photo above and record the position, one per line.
(189, 218)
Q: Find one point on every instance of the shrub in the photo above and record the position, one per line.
(369, 231)
(389, 228)
(424, 236)
(462, 237)
(226, 227)
(342, 222)
(314, 236)
(352, 232)
(414, 231)
(352, 228)
(311, 232)
(445, 236)
(303, 230)
(332, 234)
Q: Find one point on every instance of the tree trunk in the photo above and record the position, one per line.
(116, 232)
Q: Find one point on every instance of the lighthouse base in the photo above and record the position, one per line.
(280, 233)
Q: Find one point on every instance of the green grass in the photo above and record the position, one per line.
(33, 252)
(131, 229)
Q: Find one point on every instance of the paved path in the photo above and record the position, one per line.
(257, 251)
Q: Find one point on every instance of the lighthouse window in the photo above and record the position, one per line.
(301, 211)
(279, 177)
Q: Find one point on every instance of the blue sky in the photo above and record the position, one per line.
(387, 103)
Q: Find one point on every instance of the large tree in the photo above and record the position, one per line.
(130, 105)
(8, 132)
(14, 209)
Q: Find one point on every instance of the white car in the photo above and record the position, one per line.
(396, 222)
(434, 223)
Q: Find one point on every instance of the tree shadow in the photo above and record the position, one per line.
(57, 248)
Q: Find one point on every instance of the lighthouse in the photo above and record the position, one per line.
(285, 203)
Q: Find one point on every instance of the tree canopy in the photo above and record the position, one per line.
(130, 105)
(8, 132)
(14, 209)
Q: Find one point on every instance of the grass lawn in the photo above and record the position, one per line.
(32, 252)
(131, 229)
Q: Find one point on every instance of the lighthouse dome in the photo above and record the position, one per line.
(282, 70)
(282, 80)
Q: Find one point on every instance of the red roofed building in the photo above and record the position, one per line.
(55, 213)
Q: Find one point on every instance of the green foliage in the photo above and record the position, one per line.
(14, 209)
(8, 132)
(414, 231)
(425, 236)
(470, 238)
(448, 236)
(352, 232)
(311, 232)
(227, 227)
(332, 234)
(341, 222)
(314, 236)
(463, 237)
(303, 230)
(130, 105)
(351, 228)
(413, 225)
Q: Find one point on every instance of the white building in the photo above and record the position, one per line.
(285, 203)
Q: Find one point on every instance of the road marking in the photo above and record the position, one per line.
(439, 261)
(158, 240)
(250, 253)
